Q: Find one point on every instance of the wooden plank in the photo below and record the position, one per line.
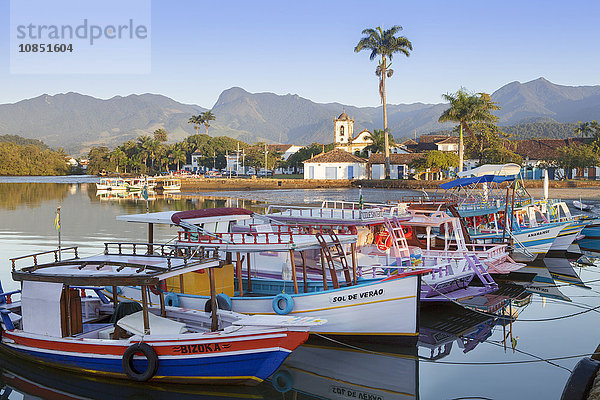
(249, 277)
(294, 277)
(145, 311)
(238, 274)
(323, 270)
(353, 250)
(214, 320)
(304, 272)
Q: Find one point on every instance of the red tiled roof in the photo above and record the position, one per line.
(449, 140)
(397, 159)
(543, 149)
(281, 148)
(336, 155)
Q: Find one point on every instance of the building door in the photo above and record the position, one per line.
(311, 172)
(351, 172)
(330, 173)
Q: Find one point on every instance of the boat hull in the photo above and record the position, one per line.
(567, 235)
(220, 359)
(385, 310)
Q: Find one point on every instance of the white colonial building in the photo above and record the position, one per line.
(335, 164)
(344, 136)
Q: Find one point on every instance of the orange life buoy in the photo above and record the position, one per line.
(407, 230)
(383, 240)
(160, 288)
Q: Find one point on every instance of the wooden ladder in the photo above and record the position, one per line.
(338, 255)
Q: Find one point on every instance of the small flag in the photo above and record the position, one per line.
(360, 202)
(145, 192)
(57, 219)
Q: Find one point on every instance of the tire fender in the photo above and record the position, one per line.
(149, 354)
(172, 300)
(283, 304)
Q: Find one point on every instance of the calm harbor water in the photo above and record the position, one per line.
(460, 354)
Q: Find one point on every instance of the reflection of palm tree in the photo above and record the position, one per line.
(465, 109)
(385, 44)
(206, 117)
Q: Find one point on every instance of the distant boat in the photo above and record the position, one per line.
(583, 207)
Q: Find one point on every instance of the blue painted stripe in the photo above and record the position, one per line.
(259, 365)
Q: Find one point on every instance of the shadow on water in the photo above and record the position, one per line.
(16, 195)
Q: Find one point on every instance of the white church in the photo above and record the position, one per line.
(341, 162)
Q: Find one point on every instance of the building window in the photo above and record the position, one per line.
(341, 131)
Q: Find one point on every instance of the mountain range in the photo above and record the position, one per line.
(77, 122)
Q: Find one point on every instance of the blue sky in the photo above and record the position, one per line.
(201, 48)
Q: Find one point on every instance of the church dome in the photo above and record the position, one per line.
(343, 117)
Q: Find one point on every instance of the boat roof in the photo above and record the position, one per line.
(265, 241)
(115, 269)
(329, 216)
(492, 169)
(192, 217)
(460, 182)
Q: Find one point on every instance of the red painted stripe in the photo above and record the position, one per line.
(290, 341)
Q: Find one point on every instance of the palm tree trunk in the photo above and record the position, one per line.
(207, 129)
(460, 149)
(385, 127)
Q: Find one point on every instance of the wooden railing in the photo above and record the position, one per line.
(57, 255)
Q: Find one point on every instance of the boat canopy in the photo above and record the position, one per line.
(492, 169)
(209, 212)
(460, 182)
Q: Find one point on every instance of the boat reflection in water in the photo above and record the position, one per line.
(34, 380)
(343, 371)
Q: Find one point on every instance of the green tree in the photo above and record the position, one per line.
(466, 108)
(99, 160)
(118, 157)
(206, 118)
(384, 43)
(196, 120)
(490, 145)
(160, 135)
(435, 161)
(177, 156)
(297, 159)
(378, 144)
(578, 156)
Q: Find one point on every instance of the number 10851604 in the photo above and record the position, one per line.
(45, 48)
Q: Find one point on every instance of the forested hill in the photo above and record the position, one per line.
(21, 156)
(537, 130)
(16, 139)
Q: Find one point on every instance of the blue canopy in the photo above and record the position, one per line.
(460, 182)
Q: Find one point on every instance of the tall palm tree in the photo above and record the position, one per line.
(196, 120)
(160, 135)
(206, 118)
(177, 155)
(378, 141)
(384, 43)
(466, 108)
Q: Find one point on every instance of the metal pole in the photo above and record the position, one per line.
(58, 228)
